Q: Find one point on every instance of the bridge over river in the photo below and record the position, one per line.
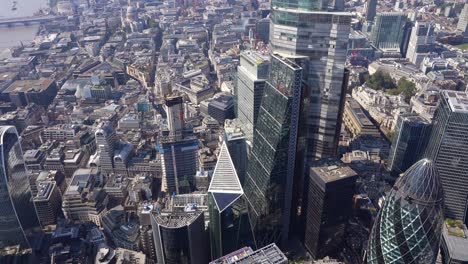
(24, 21)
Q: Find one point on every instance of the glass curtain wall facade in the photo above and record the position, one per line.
(316, 40)
(387, 32)
(270, 172)
(180, 238)
(178, 163)
(409, 142)
(251, 75)
(19, 221)
(448, 148)
(409, 226)
(229, 221)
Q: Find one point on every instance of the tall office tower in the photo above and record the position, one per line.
(317, 40)
(106, 141)
(387, 32)
(179, 151)
(18, 221)
(180, 237)
(270, 172)
(229, 221)
(371, 10)
(175, 114)
(421, 42)
(327, 206)
(251, 76)
(462, 25)
(237, 146)
(179, 156)
(409, 142)
(408, 228)
(448, 148)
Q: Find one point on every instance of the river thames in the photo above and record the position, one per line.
(13, 36)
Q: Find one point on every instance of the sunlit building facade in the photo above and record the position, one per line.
(18, 221)
(408, 228)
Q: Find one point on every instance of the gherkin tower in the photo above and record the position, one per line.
(409, 225)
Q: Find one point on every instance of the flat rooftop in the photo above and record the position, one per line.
(456, 245)
(270, 254)
(26, 85)
(458, 101)
(333, 172)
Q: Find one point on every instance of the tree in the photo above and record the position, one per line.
(380, 80)
(405, 87)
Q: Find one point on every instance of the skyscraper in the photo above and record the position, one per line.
(327, 206)
(408, 228)
(251, 77)
(237, 146)
(317, 40)
(180, 237)
(270, 172)
(387, 32)
(462, 25)
(409, 142)
(106, 141)
(18, 221)
(371, 9)
(175, 114)
(179, 149)
(229, 221)
(421, 43)
(448, 148)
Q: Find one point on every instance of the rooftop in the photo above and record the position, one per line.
(458, 101)
(176, 220)
(333, 172)
(456, 245)
(24, 86)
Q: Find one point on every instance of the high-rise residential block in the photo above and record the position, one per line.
(421, 42)
(229, 221)
(251, 76)
(448, 148)
(327, 205)
(409, 142)
(408, 228)
(18, 221)
(387, 32)
(317, 40)
(271, 169)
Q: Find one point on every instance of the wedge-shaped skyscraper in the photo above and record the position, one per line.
(409, 226)
(229, 222)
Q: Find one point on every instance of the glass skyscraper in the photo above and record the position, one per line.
(270, 172)
(387, 32)
(317, 40)
(409, 142)
(448, 148)
(18, 220)
(409, 226)
(229, 221)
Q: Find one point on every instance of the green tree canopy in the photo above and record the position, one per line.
(380, 80)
